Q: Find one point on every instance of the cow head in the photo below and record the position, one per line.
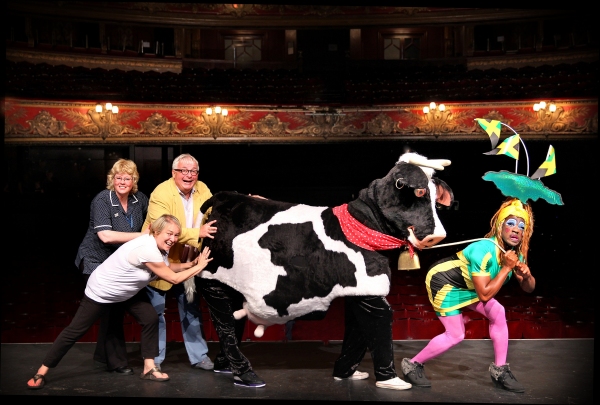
(403, 203)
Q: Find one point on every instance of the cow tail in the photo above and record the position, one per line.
(189, 286)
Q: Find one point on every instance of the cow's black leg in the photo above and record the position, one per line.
(222, 301)
(368, 324)
(354, 346)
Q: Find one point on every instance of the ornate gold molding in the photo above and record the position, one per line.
(521, 60)
(50, 122)
(74, 59)
(213, 15)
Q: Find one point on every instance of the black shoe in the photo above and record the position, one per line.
(122, 370)
(503, 378)
(221, 366)
(415, 373)
(248, 379)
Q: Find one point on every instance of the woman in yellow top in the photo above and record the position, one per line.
(471, 279)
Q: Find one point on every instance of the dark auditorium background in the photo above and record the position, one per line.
(298, 73)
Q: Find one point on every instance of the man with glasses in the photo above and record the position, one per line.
(181, 196)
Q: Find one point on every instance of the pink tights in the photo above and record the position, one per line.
(455, 332)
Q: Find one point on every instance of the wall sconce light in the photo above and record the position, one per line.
(542, 105)
(433, 106)
(215, 121)
(105, 119)
(107, 108)
(437, 119)
(217, 110)
(549, 117)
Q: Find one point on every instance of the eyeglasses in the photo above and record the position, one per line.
(185, 172)
(125, 179)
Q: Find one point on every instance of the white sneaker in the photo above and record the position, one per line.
(393, 384)
(358, 375)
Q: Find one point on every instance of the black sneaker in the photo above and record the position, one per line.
(221, 366)
(121, 370)
(503, 378)
(248, 379)
(414, 373)
(221, 369)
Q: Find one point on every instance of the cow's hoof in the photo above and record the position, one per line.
(393, 384)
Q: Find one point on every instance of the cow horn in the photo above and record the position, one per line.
(438, 164)
(416, 159)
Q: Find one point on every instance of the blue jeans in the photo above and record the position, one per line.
(191, 323)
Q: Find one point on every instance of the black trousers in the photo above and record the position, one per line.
(368, 325)
(90, 311)
(222, 302)
(110, 344)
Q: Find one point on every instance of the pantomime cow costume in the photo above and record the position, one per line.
(289, 260)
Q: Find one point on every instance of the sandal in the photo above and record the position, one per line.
(150, 375)
(35, 379)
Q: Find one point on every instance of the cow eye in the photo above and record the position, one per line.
(420, 192)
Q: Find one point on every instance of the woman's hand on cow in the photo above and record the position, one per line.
(202, 259)
(208, 229)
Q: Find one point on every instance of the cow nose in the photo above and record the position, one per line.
(427, 241)
(432, 240)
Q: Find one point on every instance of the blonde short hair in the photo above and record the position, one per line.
(160, 223)
(123, 166)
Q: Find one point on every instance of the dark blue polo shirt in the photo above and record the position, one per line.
(106, 213)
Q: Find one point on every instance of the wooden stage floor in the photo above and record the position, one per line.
(553, 371)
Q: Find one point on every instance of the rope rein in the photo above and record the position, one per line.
(466, 241)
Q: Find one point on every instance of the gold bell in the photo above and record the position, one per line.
(405, 262)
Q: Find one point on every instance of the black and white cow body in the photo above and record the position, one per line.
(289, 260)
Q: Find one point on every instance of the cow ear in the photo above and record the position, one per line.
(445, 196)
(410, 175)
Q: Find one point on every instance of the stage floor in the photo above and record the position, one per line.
(557, 371)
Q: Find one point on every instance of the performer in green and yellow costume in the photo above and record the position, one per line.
(471, 279)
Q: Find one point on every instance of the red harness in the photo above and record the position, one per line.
(364, 236)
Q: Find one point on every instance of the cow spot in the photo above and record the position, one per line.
(299, 262)
(311, 270)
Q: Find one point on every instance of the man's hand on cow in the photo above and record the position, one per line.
(207, 230)
(257, 196)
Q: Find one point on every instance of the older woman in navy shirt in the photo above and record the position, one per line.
(116, 216)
